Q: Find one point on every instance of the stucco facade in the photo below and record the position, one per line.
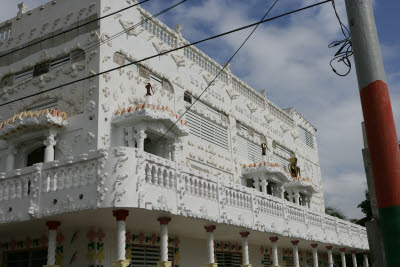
(75, 154)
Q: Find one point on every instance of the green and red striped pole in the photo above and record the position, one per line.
(379, 123)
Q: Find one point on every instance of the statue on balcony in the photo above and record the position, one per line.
(149, 89)
(293, 168)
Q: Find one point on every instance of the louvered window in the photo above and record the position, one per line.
(48, 105)
(26, 258)
(144, 256)
(306, 137)
(267, 260)
(289, 261)
(229, 259)
(249, 150)
(283, 157)
(207, 130)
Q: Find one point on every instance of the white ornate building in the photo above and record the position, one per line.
(88, 176)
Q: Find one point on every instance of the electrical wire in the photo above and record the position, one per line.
(346, 49)
(90, 48)
(166, 52)
(72, 29)
(221, 70)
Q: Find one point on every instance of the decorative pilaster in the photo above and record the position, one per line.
(245, 249)
(290, 195)
(256, 183)
(10, 161)
(164, 242)
(343, 256)
(50, 142)
(281, 191)
(330, 258)
(120, 216)
(264, 185)
(210, 245)
(315, 254)
(139, 137)
(297, 197)
(366, 264)
(295, 244)
(274, 244)
(353, 257)
(52, 243)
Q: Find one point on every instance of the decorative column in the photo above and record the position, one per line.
(353, 257)
(366, 264)
(264, 185)
(50, 142)
(120, 216)
(210, 246)
(140, 136)
(280, 191)
(343, 255)
(290, 195)
(295, 244)
(10, 161)
(330, 258)
(164, 242)
(52, 243)
(245, 249)
(274, 244)
(297, 197)
(315, 254)
(256, 183)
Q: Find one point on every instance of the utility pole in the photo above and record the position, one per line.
(379, 123)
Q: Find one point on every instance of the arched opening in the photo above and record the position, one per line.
(156, 145)
(36, 156)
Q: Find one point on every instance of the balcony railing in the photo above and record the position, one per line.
(131, 178)
(201, 195)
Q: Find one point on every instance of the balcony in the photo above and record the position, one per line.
(128, 177)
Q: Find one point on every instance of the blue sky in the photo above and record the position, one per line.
(289, 58)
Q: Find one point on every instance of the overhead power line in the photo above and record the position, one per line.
(74, 28)
(166, 52)
(90, 48)
(221, 70)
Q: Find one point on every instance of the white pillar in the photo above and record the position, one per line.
(315, 254)
(256, 183)
(274, 245)
(164, 238)
(366, 264)
(282, 191)
(50, 142)
(343, 256)
(210, 243)
(10, 161)
(353, 257)
(264, 185)
(297, 198)
(295, 244)
(52, 243)
(140, 136)
(330, 258)
(290, 195)
(120, 216)
(245, 248)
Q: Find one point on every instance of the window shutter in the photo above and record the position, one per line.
(249, 150)
(306, 137)
(207, 130)
(229, 259)
(143, 255)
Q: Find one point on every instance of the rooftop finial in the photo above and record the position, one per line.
(22, 8)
